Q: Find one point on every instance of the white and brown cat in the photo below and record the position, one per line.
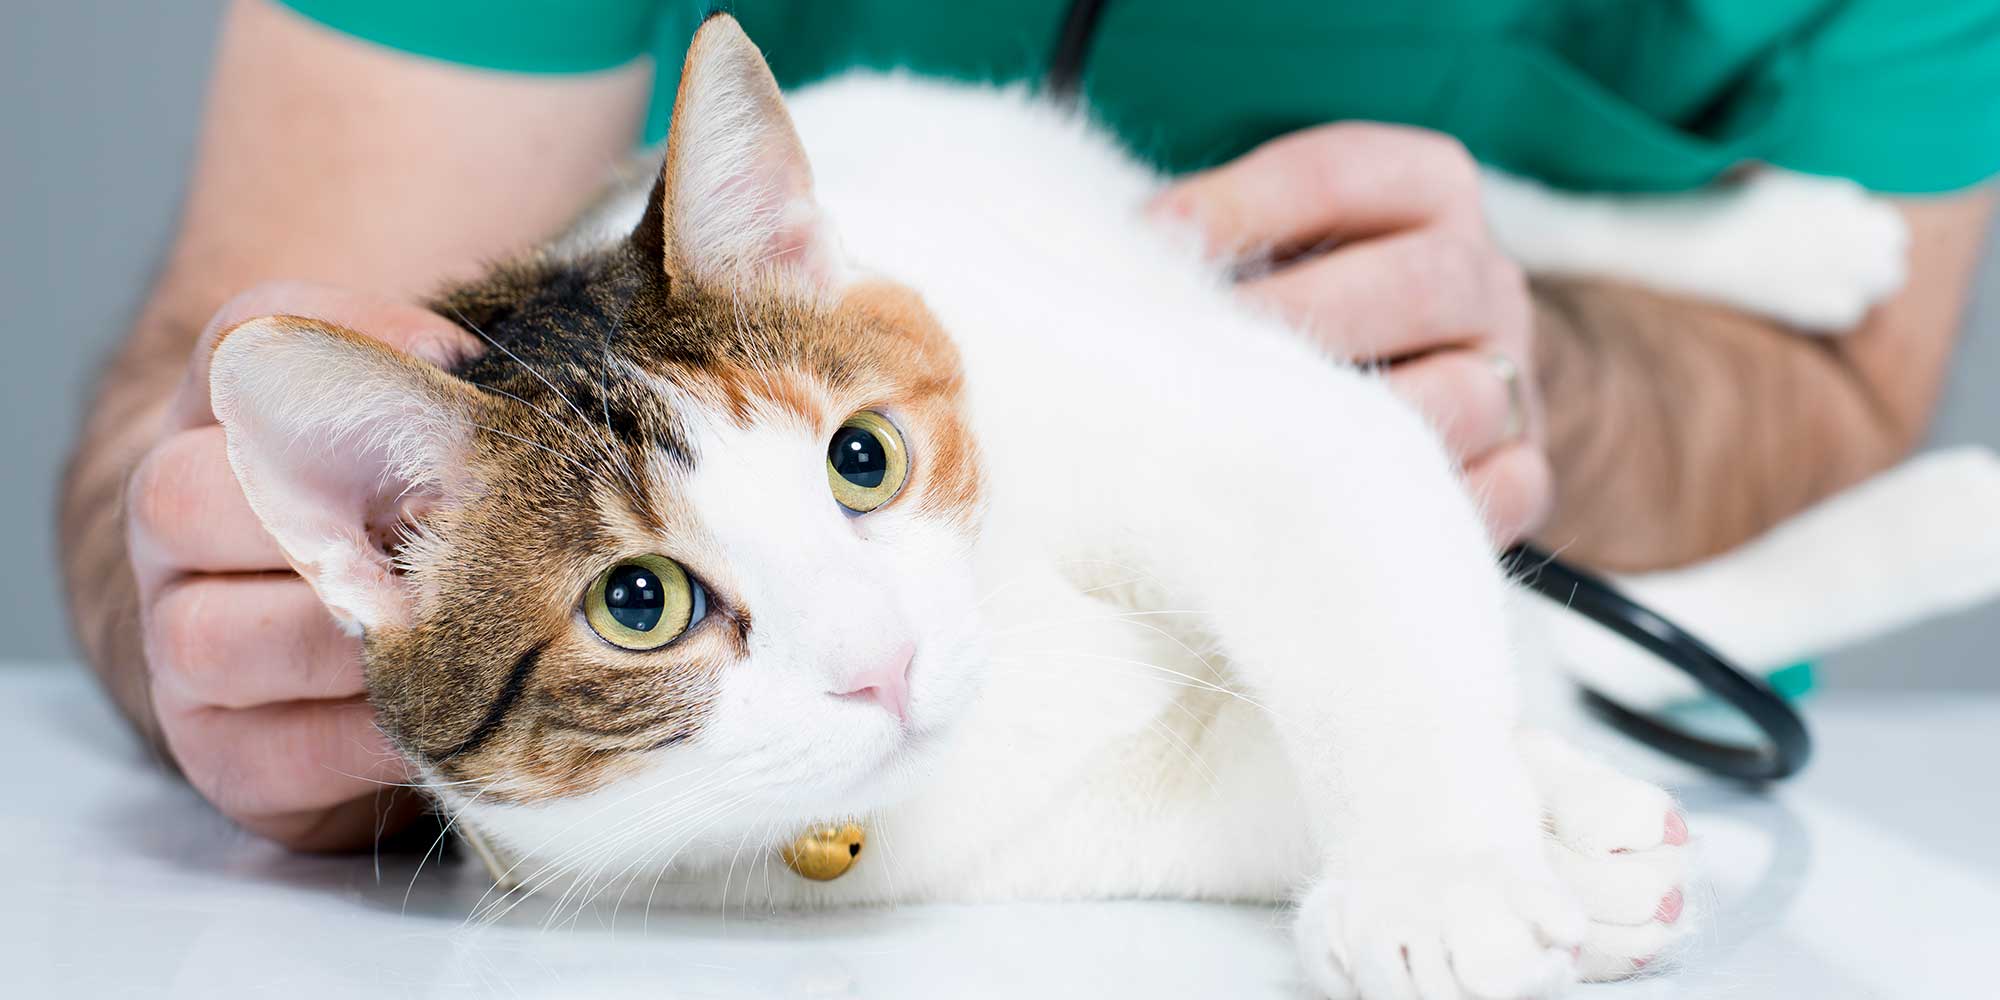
(930, 488)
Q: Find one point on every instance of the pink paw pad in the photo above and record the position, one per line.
(1677, 829)
(1670, 907)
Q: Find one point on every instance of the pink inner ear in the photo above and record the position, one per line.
(797, 241)
(337, 439)
(338, 511)
(358, 496)
(390, 522)
(742, 203)
(757, 218)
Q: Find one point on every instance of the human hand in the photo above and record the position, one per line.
(1382, 253)
(259, 694)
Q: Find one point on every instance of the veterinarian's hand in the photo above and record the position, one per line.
(1381, 251)
(258, 692)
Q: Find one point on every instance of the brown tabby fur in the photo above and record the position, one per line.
(495, 682)
(573, 439)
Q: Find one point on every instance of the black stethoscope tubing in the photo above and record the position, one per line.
(1787, 744)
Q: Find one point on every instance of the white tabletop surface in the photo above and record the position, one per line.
(1875, 874)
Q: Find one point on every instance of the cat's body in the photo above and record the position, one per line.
(1102, 709)
(1172, 604)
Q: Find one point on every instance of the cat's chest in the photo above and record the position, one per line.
(1077, 672)
(1108, 750)
(1106, 733)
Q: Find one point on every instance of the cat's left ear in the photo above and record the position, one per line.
(340, 444)
(734, 206)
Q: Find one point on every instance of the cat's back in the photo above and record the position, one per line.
(1024, 227)
(896, 150)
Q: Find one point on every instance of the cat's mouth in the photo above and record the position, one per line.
(884, 768)
(887, 776)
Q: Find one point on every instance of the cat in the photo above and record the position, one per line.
(928, 487)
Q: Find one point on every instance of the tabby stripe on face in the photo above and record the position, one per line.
(637, 727)
(517, 682)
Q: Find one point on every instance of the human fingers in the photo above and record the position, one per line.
(1479, 401)
(238, 641)
(1514, 489)
(185, 512)
(1346, 180)
(272, 761)
(348, 826)
(1400, 295)
(399, 324)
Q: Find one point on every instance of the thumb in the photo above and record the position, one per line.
(406, 327)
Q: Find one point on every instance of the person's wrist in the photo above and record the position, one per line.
(125, 414)
(1616, 470)
(1567, 370)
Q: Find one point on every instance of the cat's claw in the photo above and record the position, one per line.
(1441, 929)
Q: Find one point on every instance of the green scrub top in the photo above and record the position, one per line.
(1632, 95)
(1622, 95)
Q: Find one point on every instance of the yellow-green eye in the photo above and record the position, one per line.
(644, 603)
(865, 462)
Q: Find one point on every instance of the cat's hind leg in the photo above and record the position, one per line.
(1812, 252)
(1621, 845)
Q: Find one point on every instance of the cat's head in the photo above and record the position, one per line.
(692, 539)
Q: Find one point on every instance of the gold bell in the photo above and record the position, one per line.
(825, 853)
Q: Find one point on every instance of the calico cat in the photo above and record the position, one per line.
(930, 490)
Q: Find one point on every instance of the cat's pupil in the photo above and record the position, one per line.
(859, 457)
(634, 597)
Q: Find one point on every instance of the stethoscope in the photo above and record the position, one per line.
(1786, 745)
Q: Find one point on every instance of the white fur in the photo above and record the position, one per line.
(1815, 252)
(743, 192)
(1233, 629)
(1918, 541)
(1230, 629)
(331, 443)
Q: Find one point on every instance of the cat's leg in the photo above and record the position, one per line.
(1812, 252)
(1622, 846)
(1314, 521)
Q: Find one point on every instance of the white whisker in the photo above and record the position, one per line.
(587, 470)
(603, 445)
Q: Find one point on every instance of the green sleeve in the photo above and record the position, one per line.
(1901, 97)
(527, 36)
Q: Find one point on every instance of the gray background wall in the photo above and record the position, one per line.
(98, 103)
(97, 124)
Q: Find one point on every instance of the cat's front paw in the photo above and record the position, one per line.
(1621, 845)
(1427, 928)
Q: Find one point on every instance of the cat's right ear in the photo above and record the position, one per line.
(734, 205)
(340, 442)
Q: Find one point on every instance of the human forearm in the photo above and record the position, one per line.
(123, 419)
(1678, 430)
(326, 160)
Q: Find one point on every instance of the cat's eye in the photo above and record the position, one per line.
(866, 462)
(644, 603)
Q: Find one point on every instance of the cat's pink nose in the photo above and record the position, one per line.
(887, 683)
